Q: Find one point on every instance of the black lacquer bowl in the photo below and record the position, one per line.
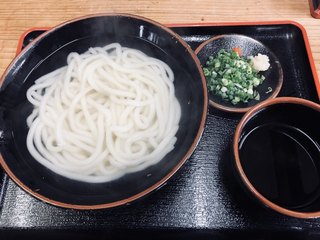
(47, 53)
(248, 47)
(277, 155)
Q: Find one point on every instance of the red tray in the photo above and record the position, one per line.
(203, 201)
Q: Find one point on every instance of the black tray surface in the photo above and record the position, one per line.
(203, 200)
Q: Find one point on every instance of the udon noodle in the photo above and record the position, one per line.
(110, 111)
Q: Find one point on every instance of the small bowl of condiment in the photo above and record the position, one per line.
(240, 72)
(276, 151)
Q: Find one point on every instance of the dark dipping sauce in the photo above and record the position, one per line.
(283, 163)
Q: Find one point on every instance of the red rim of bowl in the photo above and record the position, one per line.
(157, 184)
(235, 109)
(238, 165)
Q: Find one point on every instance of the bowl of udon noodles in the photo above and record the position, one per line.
(100, 111)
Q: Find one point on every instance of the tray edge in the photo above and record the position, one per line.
(219, 24)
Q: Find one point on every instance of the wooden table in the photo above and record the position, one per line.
(16, 16)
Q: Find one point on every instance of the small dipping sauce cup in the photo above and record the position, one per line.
(277, 155)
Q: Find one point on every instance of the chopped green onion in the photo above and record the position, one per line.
(232, 77)
(269, 90)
